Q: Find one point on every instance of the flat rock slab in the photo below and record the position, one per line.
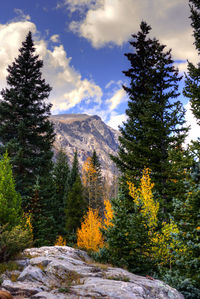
(61, 272)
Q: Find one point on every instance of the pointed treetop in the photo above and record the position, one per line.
(75, 169)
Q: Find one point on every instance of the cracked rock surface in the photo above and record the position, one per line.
(64, 272)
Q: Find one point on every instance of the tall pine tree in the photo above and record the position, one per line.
(61, 178)
(155, 120)
(25, 129)
(192, 82)
(98, 183)
(75, 170)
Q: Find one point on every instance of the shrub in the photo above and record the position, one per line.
(13, 241)
(60, 241)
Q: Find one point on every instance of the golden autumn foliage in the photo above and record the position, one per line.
(165, 243)
(89, 235)
(143, 198)
(108, 213)
(89, 178)
(60, 241)
(88, 172)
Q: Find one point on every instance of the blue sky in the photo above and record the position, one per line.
(82, 43)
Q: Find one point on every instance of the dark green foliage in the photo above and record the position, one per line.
(10, 200)
(13, 241)
(74, 170)
(44, 225)
(155, 119)
(187, 214)
(128, 242)
(186, 286)
(25, 129)
(192, 82)
(75, 207)
(61, 178)
(97, 184)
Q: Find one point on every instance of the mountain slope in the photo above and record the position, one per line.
(85, 133)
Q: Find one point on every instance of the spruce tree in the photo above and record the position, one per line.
(76, 206)
(61, 178)
(192, 83)
(74, 170)
(98, 183)
(43, 211)
(155, 118)
(25, 129)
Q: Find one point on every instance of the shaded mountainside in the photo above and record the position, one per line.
(85, 133)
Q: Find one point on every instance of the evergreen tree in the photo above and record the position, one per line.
(43, 212)
(128, 241)
(192, 82)
(155, 120)
(187, 214)
(98, 183)
(10, 200)
(61, 177)
(74, 170)
(25, 129)
(75, 207)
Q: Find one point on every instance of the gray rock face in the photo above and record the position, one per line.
(64, 272)
(85, 133)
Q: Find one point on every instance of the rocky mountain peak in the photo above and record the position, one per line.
(86, 133)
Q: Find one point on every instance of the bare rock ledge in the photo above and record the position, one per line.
(64, 272)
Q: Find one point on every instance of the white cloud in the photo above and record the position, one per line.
(80, 5)
(69, 88)
(113, 21)
(21, 16)
(116, 120)
(118, 97)
(191, 121)
(55, 38)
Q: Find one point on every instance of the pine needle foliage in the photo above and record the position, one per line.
(155, 118)
(25, 129)
(61, 181)
(10, 200)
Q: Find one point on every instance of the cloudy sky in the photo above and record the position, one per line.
(82, 43)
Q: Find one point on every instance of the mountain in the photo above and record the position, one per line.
(85, 133)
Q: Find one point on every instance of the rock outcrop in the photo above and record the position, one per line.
(85, 133)
(64, 272)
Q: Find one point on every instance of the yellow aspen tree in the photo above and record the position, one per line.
(108, 213)
(89, 178)
(143, 198)
(89, 236)
(163, 242)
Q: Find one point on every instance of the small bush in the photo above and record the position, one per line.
(185, 286)
(13, 241)
(9, 266)
(60, 241)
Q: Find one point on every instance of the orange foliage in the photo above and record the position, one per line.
(89, 235)
(60, 241)
(108, 213)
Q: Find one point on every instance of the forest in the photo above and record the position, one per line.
(152, 225)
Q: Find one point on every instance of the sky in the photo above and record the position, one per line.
(82, 44)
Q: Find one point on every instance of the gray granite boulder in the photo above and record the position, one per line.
(64, 272)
